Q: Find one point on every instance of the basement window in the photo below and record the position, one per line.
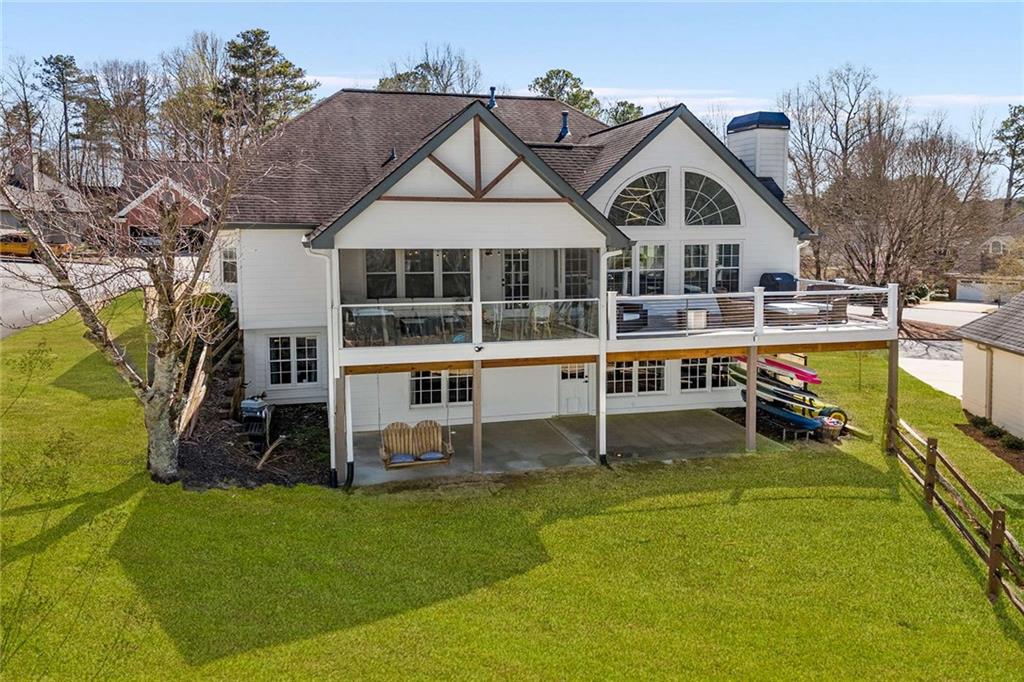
(293, 360)
(452, 387)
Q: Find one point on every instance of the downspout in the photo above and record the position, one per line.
(602, 357)
(989, 378)
(331, 364)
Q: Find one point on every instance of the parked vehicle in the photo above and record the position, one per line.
(21, 244)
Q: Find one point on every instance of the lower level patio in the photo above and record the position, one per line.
(517, 446)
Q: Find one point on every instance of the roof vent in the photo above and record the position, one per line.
(492, 102)
(391, 157)
(564, 132)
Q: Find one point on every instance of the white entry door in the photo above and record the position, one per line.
(574, 389)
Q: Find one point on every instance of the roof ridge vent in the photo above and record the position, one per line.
(564, 132)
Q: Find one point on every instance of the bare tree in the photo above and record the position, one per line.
(716, 117)
(439, 68)
(130, 92)
(191, 114)
(22, 108)
(183, 214)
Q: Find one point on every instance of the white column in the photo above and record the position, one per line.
(612, 315)
(477, 312)
(604, 332)
(478, 410)
(894, 306)
(758, 311)
(751, 417)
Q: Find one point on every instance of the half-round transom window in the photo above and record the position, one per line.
(642, 202)
(707, 202)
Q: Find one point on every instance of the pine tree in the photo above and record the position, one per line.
(262, 83)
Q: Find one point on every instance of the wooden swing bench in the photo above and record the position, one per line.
(404, 446)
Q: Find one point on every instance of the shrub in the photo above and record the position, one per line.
(221, 303)
(978, 421)
(1012, 442)
(992, 431)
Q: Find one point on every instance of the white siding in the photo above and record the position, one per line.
(280, 284)
(768, 244)
(1008, 391)
(764, 151)
(1007, 386)
(257, 366)
(974, 390)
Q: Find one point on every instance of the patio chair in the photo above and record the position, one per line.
(407, 446)
(540, 319)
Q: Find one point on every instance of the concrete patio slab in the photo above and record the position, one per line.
(943, 375)
(568, 442)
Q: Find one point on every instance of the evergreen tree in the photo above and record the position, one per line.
(567, 87)
(1010, 137)
(260, 82)
(62, 81)
(623, 112)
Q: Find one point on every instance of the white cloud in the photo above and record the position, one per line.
(329, 84)
(947, 101)
(696, 100)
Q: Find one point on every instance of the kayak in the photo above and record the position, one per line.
(801, 401)
(796, 420)
(776, 366)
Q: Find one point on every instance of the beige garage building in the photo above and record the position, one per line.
(994, 366)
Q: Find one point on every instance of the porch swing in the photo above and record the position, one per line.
(403, 446)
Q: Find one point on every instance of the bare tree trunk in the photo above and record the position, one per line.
(161, 415)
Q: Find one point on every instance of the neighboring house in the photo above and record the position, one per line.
(37, 192)
(979, 276)
(150, 188)
(994, 366)
(467, 259)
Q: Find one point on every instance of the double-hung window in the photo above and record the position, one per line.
(620, 272)
(711, 267)
(229, 265)
(651, 268)
(381, 274)
(419, 273)
(293, 360)
(633, 378)
(700, 374)
(450, 387)
(455, 273)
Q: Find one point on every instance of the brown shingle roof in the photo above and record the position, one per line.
(327, 157)
(1002, 329)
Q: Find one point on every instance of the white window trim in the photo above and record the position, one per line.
(712, 257)
(294, 385)
(992, 247)
(728, 188)
(444, 393)
(635, 275)
(667, 170)
(636, 392)
(708, 388)
(400, 277)
(224, 259)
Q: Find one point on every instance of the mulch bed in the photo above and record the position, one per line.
(1014, 458)
(219, 455)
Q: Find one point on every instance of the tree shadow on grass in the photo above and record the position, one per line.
(226, 573)
(91, 376)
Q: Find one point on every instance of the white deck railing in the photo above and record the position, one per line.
(815, 305)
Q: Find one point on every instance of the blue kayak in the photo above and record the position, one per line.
(797, 420)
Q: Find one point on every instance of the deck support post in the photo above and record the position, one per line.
(478, 409)
(477, 332)
(601, 389)
(343, 450)
(751, 416)
(892, 417)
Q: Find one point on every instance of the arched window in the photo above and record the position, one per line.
(707, 202)
(997, 248)
(642, 202)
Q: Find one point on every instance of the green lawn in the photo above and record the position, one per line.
(816, 561)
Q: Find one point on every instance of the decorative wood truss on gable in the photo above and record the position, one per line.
(477, 191)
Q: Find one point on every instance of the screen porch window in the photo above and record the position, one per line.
(577, 273)
(381, 274)
(620, 273)
(651, 267)
(229, 265)
(419, 273)
(453, 386)
(455, 273)
(293, 360)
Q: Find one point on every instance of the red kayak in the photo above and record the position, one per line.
(776, 366)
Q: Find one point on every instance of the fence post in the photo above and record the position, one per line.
(929, 471)
(995, 552)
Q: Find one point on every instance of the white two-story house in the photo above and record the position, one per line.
(476, 259)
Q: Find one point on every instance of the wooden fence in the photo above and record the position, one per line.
(983, 526)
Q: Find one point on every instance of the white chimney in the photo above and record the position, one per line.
(761, 141)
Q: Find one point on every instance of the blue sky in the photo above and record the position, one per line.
(953, 57)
